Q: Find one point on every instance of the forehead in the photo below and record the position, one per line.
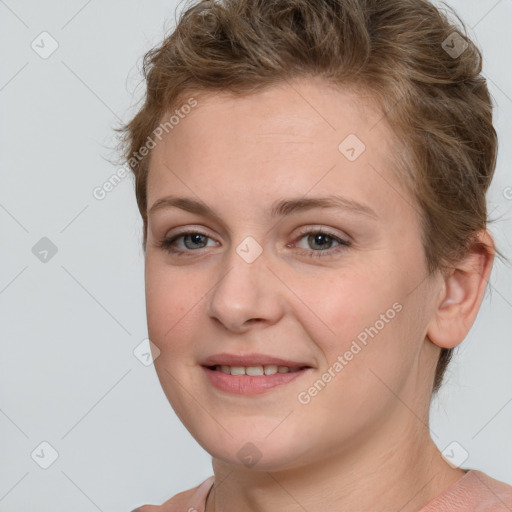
(290, 139)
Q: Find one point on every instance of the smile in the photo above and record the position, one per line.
(269, 369)
(251, 380)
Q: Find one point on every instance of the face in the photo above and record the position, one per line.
(339, 288)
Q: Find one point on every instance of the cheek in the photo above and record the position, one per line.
(344, 304)
(173, 303)
(174, 300)
(356, 387)
(361, 322)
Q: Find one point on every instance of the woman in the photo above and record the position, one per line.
(312, 177)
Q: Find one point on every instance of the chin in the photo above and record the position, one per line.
(265, 453)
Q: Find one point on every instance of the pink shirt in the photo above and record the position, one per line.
(474, 492)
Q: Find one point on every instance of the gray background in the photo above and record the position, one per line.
(69, 325)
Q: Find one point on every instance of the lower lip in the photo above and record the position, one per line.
(250, 385)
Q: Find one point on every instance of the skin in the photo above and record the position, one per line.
(363, 442)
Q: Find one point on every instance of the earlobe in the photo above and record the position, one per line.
(462, 294)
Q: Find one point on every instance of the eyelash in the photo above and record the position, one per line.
(167, 243)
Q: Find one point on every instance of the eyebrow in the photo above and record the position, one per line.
(279, 208)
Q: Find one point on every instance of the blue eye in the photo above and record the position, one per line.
(318, 237)
(190, 239)
(194, 240)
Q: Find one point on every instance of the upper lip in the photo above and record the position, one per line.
(251, 360)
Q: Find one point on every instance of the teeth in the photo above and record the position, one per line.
(254, 370)
(269, 369)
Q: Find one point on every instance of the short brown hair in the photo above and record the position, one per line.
(435, 99)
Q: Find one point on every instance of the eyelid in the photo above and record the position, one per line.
(172, 239)
(343, 241)
(186, 230)
(304, 230)
(323, 229)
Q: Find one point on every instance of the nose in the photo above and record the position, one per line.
(248, 293)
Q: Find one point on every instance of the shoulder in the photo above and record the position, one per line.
(191, 500)
(475, 491)
(493, 495)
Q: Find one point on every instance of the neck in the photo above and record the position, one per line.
(395, 470)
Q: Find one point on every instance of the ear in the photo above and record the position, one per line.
(461, 293)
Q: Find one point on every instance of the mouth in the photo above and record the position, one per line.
(257, 370)
(252, 380)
